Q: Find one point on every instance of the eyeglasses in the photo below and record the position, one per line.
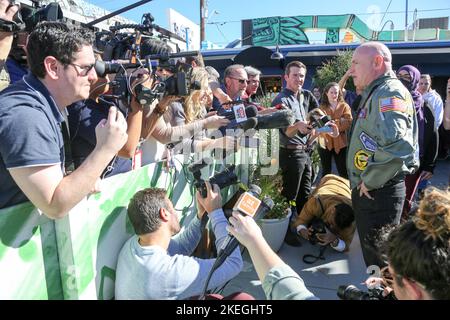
(241, 81)
(253, 82)
(84, 69)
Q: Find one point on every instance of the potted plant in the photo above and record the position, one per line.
(274, 225)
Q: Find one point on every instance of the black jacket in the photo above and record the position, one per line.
(430, 141)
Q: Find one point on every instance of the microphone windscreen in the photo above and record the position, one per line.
(251, 111)
(276, 120)
(250, 123)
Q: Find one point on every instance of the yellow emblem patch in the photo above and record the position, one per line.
(360, 159)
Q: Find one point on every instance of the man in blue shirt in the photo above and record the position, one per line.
(61, 61)
(295, 161)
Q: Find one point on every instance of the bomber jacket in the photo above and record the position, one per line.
(384, 136)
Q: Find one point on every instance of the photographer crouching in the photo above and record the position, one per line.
(330, 203)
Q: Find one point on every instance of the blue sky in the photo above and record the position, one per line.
(231, 12)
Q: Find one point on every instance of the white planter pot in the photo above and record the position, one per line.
(274, 231)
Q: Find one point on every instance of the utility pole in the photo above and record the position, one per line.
(406, 21)
(203, 10)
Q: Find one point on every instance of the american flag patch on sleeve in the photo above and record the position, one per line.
(392, 104)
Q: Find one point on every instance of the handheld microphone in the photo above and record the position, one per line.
(231, 242)
(250, 111)
(276, 120)
(250, 123)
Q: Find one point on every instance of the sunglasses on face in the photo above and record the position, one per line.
(84, 70)
(241, 81)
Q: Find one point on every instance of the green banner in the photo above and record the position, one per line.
(75, 257)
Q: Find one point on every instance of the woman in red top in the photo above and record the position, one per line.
(333, 104)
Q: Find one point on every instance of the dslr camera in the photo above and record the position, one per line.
(351, 292)
(319, 120)
(318, 227)
(223, 179)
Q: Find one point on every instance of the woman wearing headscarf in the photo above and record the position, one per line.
(428, 136)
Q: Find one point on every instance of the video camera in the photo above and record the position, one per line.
(179, 84)
(223, 179)
(351, 292)
(119, 45)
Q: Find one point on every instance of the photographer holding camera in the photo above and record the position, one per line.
(155, 263)
(331, 203)
(84, 116)
(295, 159)
(61, 61)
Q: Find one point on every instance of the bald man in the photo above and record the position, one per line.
(383, 145)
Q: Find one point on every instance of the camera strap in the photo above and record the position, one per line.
(310, 258)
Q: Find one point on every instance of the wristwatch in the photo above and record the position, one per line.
(335, 242)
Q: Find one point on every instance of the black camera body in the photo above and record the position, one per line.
(25, 20)
(319, 122)
(29, 16)
(179, 84)
(223, 179)
(318, 227)
(351, 292)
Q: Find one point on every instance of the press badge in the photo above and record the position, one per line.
(239, 112)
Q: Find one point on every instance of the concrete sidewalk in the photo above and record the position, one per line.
(322, 277)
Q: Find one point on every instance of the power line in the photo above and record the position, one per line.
(357, 14)
(384, 15)
(223, 35)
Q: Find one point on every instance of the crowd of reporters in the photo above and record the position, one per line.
(63, 132)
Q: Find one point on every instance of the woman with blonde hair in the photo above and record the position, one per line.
(333, 104)
(181, 121)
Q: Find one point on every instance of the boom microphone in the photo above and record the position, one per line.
(276, 120)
